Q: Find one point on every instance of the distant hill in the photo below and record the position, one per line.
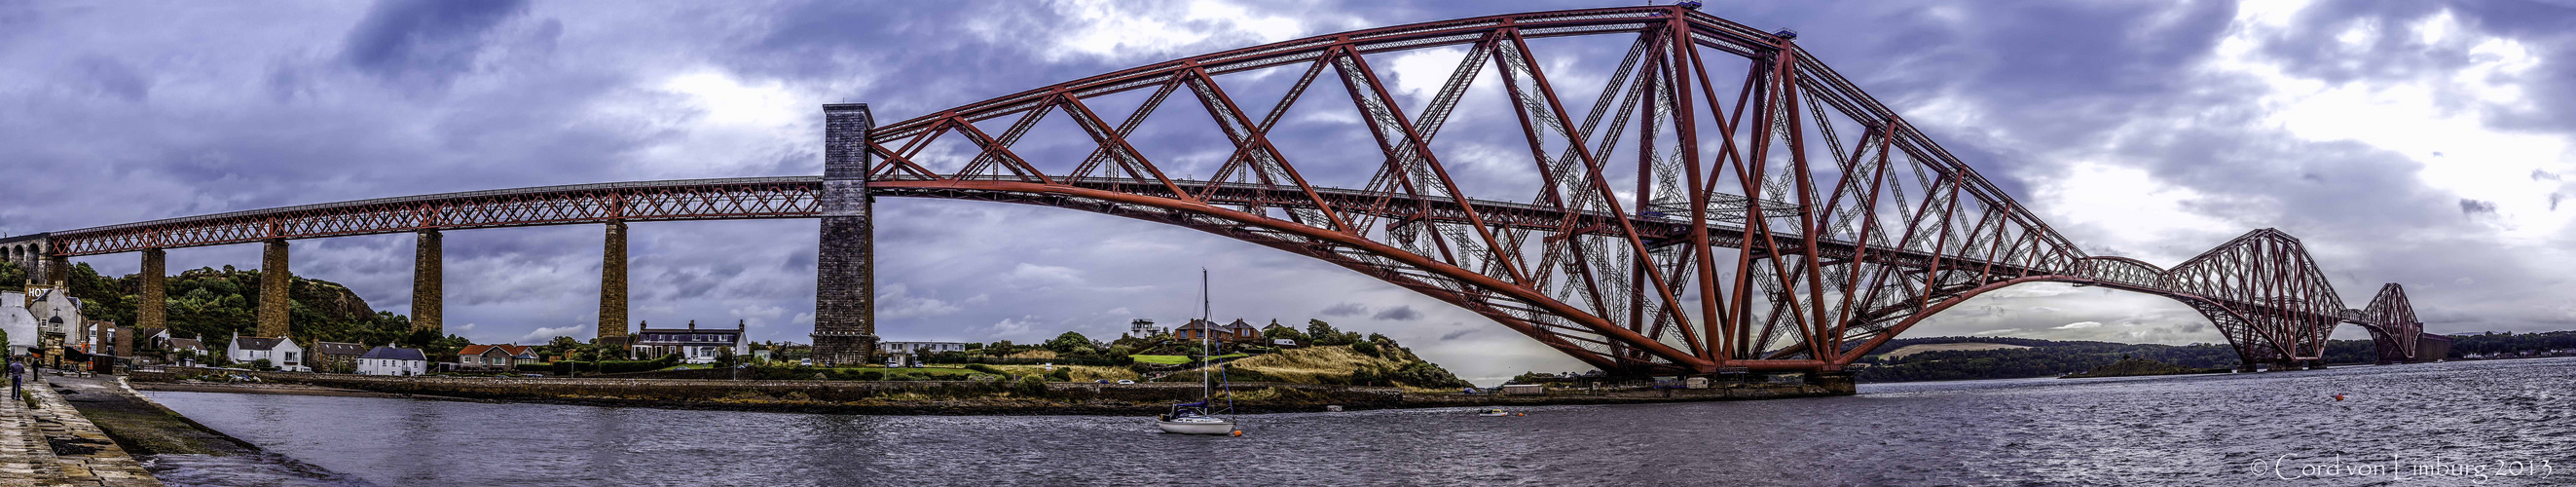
(2030, 357)
(1945, 347)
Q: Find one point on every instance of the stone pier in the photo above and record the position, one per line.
(151, 301)
(273, 281)
(58, 270)
(428, 281)
(845, 261)
(612, 287)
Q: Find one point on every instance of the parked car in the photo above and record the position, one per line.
(1125, 381)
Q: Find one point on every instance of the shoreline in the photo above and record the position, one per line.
(922, 397)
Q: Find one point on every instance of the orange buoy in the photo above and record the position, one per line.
(1238, 432)
(2338, 397)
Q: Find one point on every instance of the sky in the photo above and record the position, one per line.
(2420, 142)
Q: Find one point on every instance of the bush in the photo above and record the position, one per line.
(985, 369)
(624, 366)
(1031, 386)
(1426, 374)
(1365, 348)
(1062, 374)
(534, 367)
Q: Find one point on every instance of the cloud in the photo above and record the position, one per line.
(1398, 313)
(2078, 325)
(2474, 207)
(544, 334)
(108, 76)
(428, 41)
(1345, 309)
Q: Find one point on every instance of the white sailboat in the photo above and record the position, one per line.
(1203, 417)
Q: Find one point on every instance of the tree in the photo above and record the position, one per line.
(998, 348)
(562, 343)
(261, 364)
(1286, 333)
(1321, 330)
(1069, 342)
(724, 357)
(12, 277)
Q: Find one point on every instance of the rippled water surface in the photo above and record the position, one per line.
(2485, 423)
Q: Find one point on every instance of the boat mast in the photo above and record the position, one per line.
(1207, 389)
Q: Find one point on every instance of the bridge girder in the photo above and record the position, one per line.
(1774, 217)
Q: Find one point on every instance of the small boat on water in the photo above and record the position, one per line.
(1203, 417)
(1192, 419)
(1492, 412)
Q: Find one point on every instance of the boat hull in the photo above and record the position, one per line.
(1196, 427)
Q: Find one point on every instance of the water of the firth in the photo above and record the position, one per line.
(2485, 423)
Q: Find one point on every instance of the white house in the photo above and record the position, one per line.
(900, 354)
(57, 313)
(20, 325)
(393, 361)
(281, 352)
(694, 345)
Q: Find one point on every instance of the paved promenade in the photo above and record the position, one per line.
(51, 444)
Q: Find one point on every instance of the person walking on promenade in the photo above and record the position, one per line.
(15, 369)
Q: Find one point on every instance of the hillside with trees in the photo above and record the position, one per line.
(2051, 358)
(214, 304)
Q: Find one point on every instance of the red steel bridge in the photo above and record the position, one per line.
(1724, 201)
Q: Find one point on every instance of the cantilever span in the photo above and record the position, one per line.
(1723, 201)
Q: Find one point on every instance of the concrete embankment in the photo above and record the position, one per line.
(923, 397)
(45, 441)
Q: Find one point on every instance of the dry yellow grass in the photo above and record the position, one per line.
(1309, 365)
(1080, 373)
(1039, 353)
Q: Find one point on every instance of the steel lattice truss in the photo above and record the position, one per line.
(1724, 201)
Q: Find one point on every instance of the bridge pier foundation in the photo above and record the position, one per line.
(845, 259)
(612, 288)
(274, 278)
(428, 281)
(58, 270)
(150, 310)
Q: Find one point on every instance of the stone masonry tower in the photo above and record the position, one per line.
(845, 328)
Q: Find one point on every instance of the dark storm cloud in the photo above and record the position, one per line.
(425, 41)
